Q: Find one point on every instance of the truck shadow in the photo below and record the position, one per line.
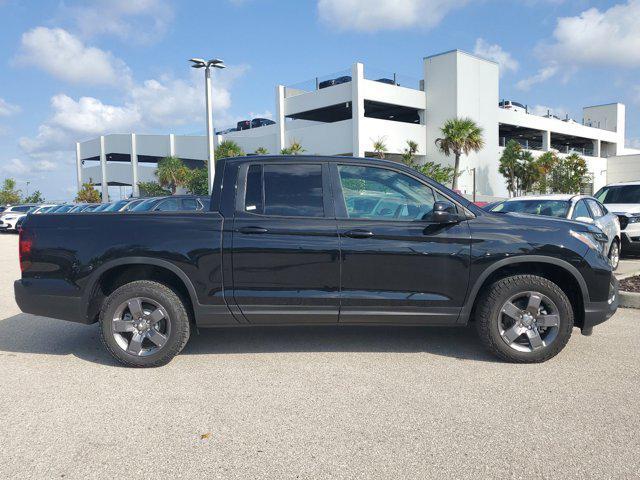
(30, 334)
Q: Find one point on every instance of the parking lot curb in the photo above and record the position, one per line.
(629, 299)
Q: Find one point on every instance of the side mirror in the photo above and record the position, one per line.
(584, 219)
(444, 212)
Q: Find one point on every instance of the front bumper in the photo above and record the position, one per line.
(631, 238)
(596, 313)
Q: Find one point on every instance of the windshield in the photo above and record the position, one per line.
(115, 207)
(548, 208)
(63, 209)
(144, 206)
(619, 194)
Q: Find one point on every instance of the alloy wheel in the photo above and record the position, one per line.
(614, 255)
(528, 321)
(141, 326)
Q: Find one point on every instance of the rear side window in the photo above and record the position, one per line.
(168, 205)
(581, 210)
(288, 190)
(595, 209)
(189, 204)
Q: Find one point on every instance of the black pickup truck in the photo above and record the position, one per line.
(317, 240)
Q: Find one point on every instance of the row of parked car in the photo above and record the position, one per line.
(12, 216)
(615, 209)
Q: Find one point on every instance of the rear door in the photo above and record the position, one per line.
(397, 265)
(603, 219)
(285, 247)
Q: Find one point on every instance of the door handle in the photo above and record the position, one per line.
(357, 233)
(252, 230)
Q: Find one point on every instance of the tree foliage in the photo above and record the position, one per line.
(152, 189)
(35, 197)
(440, 173)
(294, 149)
(409, 153)
(88, 193)
(380, 147)
(197, 181)
(9, 195)
(228, 149)
(172, 173)
(569, 174)
(261, 151)
(459, 136)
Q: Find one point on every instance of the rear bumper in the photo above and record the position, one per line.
(596, 313)
(48, 298)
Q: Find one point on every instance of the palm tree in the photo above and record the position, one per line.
(171, 173)
(294, 149)
(459, 135)
(380, 147)
(261, 151)
(228, 149)
(409, 153)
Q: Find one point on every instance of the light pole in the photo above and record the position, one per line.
(207, 65)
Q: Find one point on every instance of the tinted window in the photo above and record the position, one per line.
(596, 210)
(206, 204)
(21, 208)
(190, 204)
(581, 210)
(144, 206)
(253, 199)
(619, 194)
(285, 190)
(383, 194)
(168, 205)
(549, 208)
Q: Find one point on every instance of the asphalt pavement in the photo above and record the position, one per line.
(313, 402)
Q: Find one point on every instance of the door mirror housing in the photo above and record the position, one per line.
(584, 219)
(444, 212)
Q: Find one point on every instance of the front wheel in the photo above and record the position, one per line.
(144, 324)
(614, 254)
(524, 319)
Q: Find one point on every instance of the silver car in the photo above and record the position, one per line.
(580, 208)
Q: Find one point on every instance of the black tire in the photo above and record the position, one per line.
(489, 318)
(170, 301)
(614, 244)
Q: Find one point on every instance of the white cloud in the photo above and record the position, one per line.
(495, 52)
(66, 57)
(75, 120)
(45, 165)
(7, 109)
(154, 104)
(544, 74)
(15, 166)
(139, 21)
(374, 15)
(597, 38)
(543, 110)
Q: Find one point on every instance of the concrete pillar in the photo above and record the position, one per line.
(134, 166)
(78, 165)
(172, 145)
(357, 108)
(596, 148)
(546, 140)
(280, 118)
(104, 182)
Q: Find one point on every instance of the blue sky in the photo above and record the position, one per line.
(71, 70)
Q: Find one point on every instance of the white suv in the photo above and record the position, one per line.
(623, 199)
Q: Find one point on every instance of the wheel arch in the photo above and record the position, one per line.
(117, 272)
(565, 275)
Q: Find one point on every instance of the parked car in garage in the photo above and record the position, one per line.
(623, 199)
(334, 81)
(580, 208)
(287, 240)
(261, 122)
(513, 106)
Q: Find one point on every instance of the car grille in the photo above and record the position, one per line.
(624, 221)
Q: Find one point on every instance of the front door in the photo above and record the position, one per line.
(397, 265)
(285, 251)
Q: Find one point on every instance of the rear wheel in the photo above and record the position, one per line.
(524, 319)
(614, 254)
(144, 324)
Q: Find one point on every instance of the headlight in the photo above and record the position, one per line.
(594, 240)
(10, 217)
(634, 218)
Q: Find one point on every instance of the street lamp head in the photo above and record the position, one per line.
(198, 62)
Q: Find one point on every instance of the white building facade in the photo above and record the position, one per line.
(347, 114)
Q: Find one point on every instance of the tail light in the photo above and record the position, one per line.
(25, 244)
